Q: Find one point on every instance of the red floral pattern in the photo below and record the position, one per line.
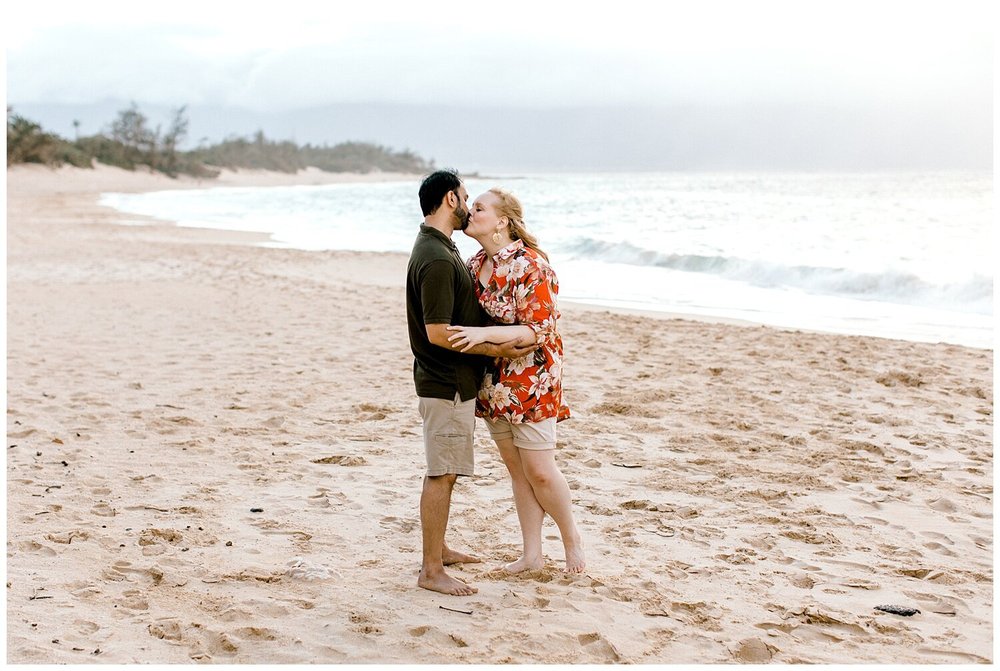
(522, 290)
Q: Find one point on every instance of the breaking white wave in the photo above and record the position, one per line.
(903, 255)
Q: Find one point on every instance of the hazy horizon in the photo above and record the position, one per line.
(592, 138)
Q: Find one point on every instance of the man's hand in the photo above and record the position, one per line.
(514, 350)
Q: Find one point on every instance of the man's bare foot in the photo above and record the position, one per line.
(524, 564)
(575, 560)
(444, 583)
(449, 557)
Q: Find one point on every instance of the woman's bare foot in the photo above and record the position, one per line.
(575, 560)
(524, 564)
(450, 556)
(444, 583)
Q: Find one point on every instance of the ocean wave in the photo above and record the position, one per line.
(974, 294)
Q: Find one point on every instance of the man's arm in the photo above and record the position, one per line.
(438, 334)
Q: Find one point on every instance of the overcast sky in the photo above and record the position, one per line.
(912, 69)
(287, 55)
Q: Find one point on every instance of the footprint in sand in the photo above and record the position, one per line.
(802, 581)
(169, 630)
(320, 499)
(154, 536)
(604, 591)
(981, 542)
(860, 583)
(942, 505)
(154, 574)
(133, 600)
(698, 614)
(112, 574)
(952, 656)
(397, 524)
(437, 637)
(204, 643)
(599, 648)
(86, 627)
(811, 537)
(256, 634)
(933, 603)
(753, 651)
(35, 547)
(103, 509)
(941, 549)
(68, 537)
(301, 569)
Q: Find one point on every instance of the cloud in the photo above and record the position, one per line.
(523, 54)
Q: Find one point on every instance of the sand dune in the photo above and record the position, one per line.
(214, 456)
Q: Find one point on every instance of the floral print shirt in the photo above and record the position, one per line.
(522, 290)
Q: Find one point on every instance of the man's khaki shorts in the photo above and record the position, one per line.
(448, 430)
(527, 435)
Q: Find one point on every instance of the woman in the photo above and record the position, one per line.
(521, 399)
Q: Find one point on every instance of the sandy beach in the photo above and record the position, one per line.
(214, 455)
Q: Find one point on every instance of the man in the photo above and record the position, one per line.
(439, 293)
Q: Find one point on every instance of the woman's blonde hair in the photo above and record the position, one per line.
(509, 206)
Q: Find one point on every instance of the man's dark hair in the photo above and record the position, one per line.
(435, 187)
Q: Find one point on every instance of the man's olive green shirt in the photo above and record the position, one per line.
(439, 290)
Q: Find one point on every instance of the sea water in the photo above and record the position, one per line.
(899, 255)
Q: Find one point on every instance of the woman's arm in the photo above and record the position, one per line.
(438, 335)
(467, 337)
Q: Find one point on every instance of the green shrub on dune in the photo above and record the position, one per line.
(28, 143)
(257, 153)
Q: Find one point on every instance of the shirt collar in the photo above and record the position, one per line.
(433, 232)
(509, 251)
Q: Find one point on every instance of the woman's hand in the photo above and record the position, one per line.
(467, 337)
(520, 338)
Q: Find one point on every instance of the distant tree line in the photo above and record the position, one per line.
(130, 141)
